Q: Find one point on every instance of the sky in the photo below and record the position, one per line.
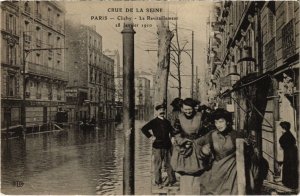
(191, 16)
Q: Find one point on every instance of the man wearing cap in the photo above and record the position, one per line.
(162, 131)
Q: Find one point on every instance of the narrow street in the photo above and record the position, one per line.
(80, 79)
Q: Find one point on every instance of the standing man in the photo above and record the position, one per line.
(162, 131)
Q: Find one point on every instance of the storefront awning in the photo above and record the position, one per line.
(244, 82)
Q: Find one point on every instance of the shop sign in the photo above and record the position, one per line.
(41, 103)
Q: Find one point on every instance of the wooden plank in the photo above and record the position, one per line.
(165, 190)
(278, 187)
(240, 165)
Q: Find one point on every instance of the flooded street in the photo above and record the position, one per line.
(73, 162)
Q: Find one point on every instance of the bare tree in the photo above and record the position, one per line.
(176, 59)
(163, 67)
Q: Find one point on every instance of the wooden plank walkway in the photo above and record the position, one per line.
(277, 188)
(165, 190)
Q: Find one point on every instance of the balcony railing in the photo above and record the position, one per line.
(45, 71)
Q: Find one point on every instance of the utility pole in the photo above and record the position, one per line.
(197, 84)
(192, 88)
(128, 108)
(23, 110)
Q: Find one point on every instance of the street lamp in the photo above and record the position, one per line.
(26, 52)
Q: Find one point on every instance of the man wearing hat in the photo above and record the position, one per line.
(162, 131)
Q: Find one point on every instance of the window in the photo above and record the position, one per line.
(50, 62)
(38, 59)
(271, 20)
(50, 21)
(27, 7)
(11, 23)
(91, 75)
(37, 7)
(289, 11)
(38, 90)
(11, 85)
(96, 74)
(58, 42)
(91, 94)
(58, 64)
(38, 36)
(49, 39)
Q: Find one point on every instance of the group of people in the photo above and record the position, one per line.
(198, 143)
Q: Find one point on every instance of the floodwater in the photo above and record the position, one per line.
(73, 162)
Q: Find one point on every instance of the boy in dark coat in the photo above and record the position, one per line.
(161, 138)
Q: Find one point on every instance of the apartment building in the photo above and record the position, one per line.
(253, 57)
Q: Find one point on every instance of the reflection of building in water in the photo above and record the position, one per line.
(253, 57)
(32, 25)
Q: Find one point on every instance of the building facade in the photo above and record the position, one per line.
(108, 91)
(90, 74)
(142, 98)
(38, 28)
(11, 83)
(253, 55)
(118, 84)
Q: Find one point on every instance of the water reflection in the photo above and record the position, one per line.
(72, 162)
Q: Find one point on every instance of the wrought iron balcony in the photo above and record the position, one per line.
(46, 71)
